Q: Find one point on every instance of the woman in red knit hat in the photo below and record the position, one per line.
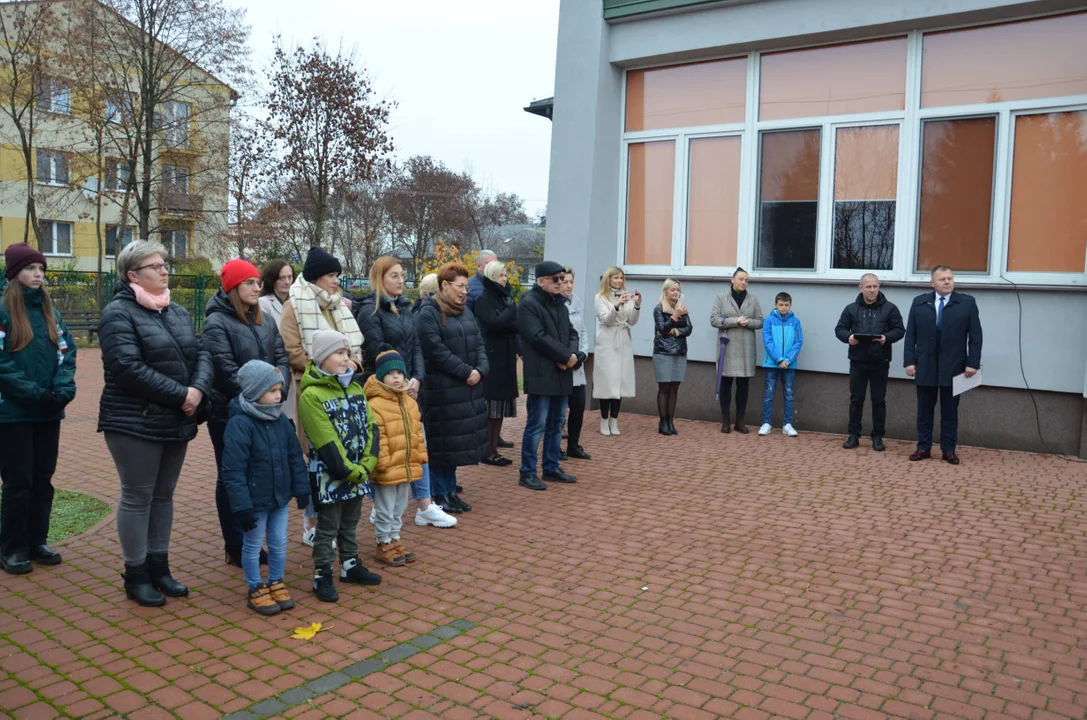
(236, 332)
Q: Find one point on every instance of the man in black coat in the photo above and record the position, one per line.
(943, 339)
(550, 352)
(870, 325)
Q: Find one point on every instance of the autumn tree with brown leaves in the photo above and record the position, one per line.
(425, 202)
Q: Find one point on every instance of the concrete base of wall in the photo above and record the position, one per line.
(1002, 418)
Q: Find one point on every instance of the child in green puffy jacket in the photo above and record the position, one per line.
(343, 440)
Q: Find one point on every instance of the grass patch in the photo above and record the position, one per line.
(73, 513)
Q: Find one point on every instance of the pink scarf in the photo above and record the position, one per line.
(156, 303)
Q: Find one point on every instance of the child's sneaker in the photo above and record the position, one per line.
(309, 535)
(389, 554)
(789, 430)
(323, 587)
(765, 429)
(281, 595)
(353, 571)
(409, 557)
(373, 515)
(261, 601)
(434, 515)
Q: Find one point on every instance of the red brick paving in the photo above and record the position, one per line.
(695, 577)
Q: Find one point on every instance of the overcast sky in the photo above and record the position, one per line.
(460, 73)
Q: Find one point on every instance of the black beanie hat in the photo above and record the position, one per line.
(319, 262)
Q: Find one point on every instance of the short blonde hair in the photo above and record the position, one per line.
(429, 284)
(493, 269)
(605, 282)
(669, 283)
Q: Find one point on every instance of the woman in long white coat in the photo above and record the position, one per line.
(613, 360)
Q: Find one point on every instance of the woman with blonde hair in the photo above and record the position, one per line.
(672, 326)
(37, 380)
(617, 310)
(496, 313)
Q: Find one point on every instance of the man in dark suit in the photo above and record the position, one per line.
(943, 339)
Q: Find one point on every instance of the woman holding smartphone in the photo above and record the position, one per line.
(617, 310)
(672, 325)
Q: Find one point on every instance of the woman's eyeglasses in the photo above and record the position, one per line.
(157, 267)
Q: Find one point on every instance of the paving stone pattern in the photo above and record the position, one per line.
(701, 576)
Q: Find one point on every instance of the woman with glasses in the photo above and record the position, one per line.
(455, 406)
(235, 332)
(156, 377)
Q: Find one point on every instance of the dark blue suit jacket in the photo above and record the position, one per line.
(943, 355)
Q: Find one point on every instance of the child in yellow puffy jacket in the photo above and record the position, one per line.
(401, 455)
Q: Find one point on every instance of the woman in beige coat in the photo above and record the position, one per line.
(613, 360)
(737, 315)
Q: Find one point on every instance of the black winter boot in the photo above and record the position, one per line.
(672, 426)
(353, 571)
(323, 586)
(158, 567)
(662, 426)
(138, 586)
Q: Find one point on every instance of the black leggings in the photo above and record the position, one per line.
(577, 418)
(609, 408)
(667, 395)
(741, 397)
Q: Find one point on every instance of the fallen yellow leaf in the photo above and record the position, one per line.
(307, 632)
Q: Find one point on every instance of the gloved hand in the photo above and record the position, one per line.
(303, 501)
(247, 519)
(49, 401)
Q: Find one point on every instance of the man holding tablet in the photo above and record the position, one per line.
(870, 325)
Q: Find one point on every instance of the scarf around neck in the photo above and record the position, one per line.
(313, 307)
(447, 308)
(257, 411)
(155, 303)
(739, 296)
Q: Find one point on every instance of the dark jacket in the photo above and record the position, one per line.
(497, 316)
(232, 344)
(151, 359)
(880, 318)
(547, 340)
(475, 289)
(941, 354)
(664, 343)
(39, 369)
(456, 413)
(396, 329)
(263, 466)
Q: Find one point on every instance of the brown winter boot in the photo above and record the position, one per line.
(409, 557)
(281, 596)
(261, 601)
(389, 554)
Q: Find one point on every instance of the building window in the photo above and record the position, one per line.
(118, 175)
(53, 167)
(651, 172)
(175, 179)
(707, 93)
(713, 201)
(175, 129)
(112, 231)
(120, 107)
(788, 199)
(57, 237)
(54, 96)
(865, 197)
(1048, 222)
(956, 193)
(177, 242)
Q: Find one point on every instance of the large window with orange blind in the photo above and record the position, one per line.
(965, 147)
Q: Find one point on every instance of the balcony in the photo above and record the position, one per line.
(175, 204)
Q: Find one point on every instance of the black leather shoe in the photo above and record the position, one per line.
(726, 428)
(496, 460)
(44, 555)
(442, 501)
(578, 453)
(741, 428)
(455, 499)
(852, 442)
(531, 482)
(504, 443)
(15, 563)
(138, 586)
(877, 444)
(559, 477)
(158, 567)
(662, 427)
(672, 426)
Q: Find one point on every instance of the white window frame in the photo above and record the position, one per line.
(119, 244)
(117, 175)
(116, 111)
(170, 179)
(55, 159)
(51, 90)
(171, 243)
(52, 250)
(907, 206)
(176, 134)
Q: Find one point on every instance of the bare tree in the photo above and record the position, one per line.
(425, 200)
(249, 157)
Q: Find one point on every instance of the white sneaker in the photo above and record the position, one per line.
(605, 428)
(434, 515)
(373, 515)
(613, 425)
(308, 535)
(790, 431)
(765, 429)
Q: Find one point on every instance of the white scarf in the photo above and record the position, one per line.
(308, 300)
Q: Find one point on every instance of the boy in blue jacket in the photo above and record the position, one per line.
(262, 469)
(783, 338)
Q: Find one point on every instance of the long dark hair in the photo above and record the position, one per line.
(270, 276)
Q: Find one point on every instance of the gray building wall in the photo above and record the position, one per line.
(583, 219)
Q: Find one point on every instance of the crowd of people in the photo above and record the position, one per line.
(309, 396)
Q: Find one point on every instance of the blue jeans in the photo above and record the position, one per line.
(545, 416)
(788, 382)
(443, 480)
(420, 489)
(273, 525)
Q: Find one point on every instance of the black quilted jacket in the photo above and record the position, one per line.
(150, 360)
(664, 342)
(396, 329)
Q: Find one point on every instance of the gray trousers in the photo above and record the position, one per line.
(149, 471)
(390, 502)
(337, 521)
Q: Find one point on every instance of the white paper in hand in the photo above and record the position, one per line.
(961, 383)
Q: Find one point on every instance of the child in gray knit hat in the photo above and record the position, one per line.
(262, 469)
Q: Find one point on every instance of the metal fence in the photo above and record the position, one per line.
(75, 291)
